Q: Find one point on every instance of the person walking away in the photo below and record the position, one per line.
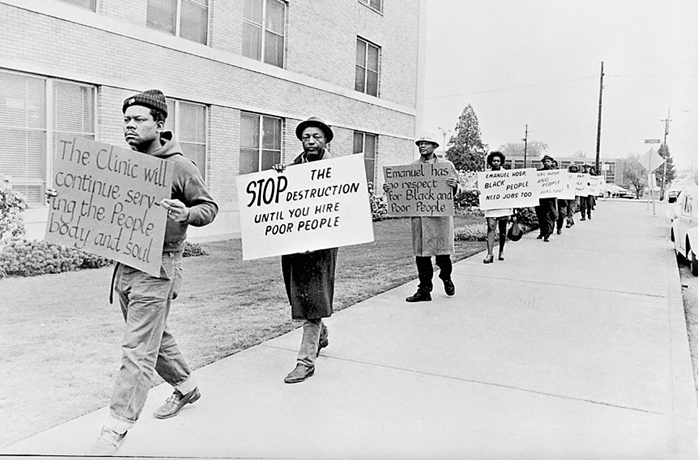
(562, 206)
(148, 345)
(546, 211)
(496, 218)
(433, 236)
(571, 204)
(585, 200)
(309, 277)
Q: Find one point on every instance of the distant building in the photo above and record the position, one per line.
(611, 168)
(239, 76)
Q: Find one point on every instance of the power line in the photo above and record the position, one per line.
(510, 88)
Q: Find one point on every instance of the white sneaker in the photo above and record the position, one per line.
(108, 443)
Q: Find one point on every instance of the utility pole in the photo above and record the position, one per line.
(525, 154)
(600, 117)
(444, 139)
(666, 155)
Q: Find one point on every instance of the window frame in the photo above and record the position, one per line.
(262, 27)
(172, 123)
(178, 20)
(50, 130)
(260, 137)
(364, 152)
(368, 4)
(81, 4)
(366, 70)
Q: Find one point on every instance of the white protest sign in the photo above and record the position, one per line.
(591, 185)
(108, 202)
(581, 188)
(551, 182)
(508, 188)
(419, 190)
(569, 192)
(310, 206)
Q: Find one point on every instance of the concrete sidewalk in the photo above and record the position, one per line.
(572, 349)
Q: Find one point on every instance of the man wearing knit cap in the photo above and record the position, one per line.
(547, 210)
(147, 343)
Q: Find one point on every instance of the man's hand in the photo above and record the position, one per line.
(452, 182)
(279, 167)
(177, 211)
(50, 193)
(386, 187)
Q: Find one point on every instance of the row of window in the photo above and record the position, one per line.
(263, 32)
(36, 111)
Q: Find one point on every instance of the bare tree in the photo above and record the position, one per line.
(634, 175)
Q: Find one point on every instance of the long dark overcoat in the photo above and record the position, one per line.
(310, 278)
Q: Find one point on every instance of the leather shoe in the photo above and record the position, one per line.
(559, 231)
(419, 296)
(449, 287)
(175, 402)
(107, 444)
(299, 374)
(546, 239)
(489, 259)
(540, 236)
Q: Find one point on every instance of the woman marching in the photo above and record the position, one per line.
(496, 217)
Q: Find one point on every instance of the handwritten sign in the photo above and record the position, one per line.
(508, 188)
(569, 192)
(108, 202)
(581, 188)
(310, 206)
(419, 190)
(551, 182)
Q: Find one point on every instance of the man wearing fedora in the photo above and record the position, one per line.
(433, 236)
(546, 211)
(148, 344)
(309, 277)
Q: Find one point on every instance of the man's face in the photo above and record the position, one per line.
(139, 126)
(547, 164)
(313, 141)
(426, 148)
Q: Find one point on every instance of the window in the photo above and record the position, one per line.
(34, 111)
(366, 144)
(263, 31)
(367, 68)
(89, 4)
(374, 4)
(183, 18)
(188, 122)
(261, 142)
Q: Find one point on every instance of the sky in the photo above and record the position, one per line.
(538, 63)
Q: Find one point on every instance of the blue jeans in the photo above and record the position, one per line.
(147, 344)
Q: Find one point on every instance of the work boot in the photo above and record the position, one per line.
(449, 287)
(176, 402)
(299, 374)
(419, 296)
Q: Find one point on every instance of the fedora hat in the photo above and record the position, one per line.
(427, 138)
(317, 122)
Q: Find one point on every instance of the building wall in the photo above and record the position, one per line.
(113, 50)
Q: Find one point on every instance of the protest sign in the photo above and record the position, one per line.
(310, 206)
(108, 202)
(508, 188)
(551, 182)
(581, 188)
(600, 190)
(419, 190)
(569, 192)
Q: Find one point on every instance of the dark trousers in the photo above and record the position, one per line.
(562, 212)
(546, 215)
(585, 205)
(425, 270)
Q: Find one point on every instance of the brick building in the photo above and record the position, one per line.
(239, 76)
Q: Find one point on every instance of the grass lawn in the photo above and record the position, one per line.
(60, 337)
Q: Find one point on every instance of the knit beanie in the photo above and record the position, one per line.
(152, 98)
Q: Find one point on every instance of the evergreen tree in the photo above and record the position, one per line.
(466, 150)
(665, 152)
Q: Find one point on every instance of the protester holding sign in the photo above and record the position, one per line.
(309, 277)
(546, 211)
(147, 344)
(571, 204)
(562, 206)
(496, 217)
(586, 200)
(433, 236)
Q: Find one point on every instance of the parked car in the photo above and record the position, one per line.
(628, 194)
(684, 227)
(675, 189)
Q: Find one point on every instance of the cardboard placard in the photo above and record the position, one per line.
(569, 192)
(310, 206)
(108, 202)
(508, 188)
(581, 188)
(419, 190)
(552, 182)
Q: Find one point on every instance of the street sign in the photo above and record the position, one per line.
(651, 160)
(652, 141)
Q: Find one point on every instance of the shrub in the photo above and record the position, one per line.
(193, 250)
(471, 232)
(22, 257)
(377, 204)
(12, 205)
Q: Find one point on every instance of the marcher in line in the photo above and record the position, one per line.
(496, 217)
(309, 277)
(585, 200)
(562, 206)
(147, 343)
(571, 204)
(433, 236)
(546, 211)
